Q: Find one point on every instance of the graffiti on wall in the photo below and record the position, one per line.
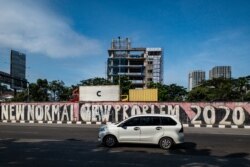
(190, 113)
(194, 113)
(38, 111)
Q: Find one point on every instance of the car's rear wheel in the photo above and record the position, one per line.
(110, 141)
(166, 143)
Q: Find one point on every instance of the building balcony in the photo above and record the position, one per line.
(137, 81)
(126, 74)
(128, 66)
(128, 57)
(132, 74)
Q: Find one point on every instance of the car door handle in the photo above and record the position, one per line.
(136, 128)
(158, 128)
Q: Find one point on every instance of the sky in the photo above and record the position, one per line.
(68, 39)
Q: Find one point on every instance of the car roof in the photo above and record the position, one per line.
(150, 115)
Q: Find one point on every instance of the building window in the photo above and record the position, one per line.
(150, 62)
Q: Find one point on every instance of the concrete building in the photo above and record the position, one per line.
(220, 72)
(195, 78)
(141, 65)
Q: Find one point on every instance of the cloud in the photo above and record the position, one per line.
(34, 28)
(224, 48)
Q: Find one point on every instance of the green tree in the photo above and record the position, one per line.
(247, 96)
(170, 92)
(21, 96)
(241, 85)
(58, 91)
(94, 82)
(125, 84)
(217, 89)
(199, 94)
(39, 90)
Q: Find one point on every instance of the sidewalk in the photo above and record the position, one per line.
(187, 130)
(219, 131)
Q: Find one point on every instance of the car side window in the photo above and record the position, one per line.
(132, 122)
(167, 121)
(150, 121)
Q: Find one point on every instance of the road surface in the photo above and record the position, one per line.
(76, 145)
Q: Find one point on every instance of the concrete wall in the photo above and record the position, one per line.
(233, 114)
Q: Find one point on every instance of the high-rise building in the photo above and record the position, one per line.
(140, 65)
(220, 72)
(195, 78)
(18, 69)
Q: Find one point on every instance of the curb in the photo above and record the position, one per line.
(100, 123)
(218, 126)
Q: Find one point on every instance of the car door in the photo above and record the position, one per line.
(129, 131)
(151, 129)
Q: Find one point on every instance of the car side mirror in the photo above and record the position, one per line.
(123, 126)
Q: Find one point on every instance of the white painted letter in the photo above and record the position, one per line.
(85, 112)
(39, 113)
(194, 120)
(117, 109)
(31, 110)
(47, 114)
(65, 113)
(55, 112)
(223, 121)
(174, 111)
(135, 110)
(145, 109)
(211, 120)
(238, 116)
(4, 114)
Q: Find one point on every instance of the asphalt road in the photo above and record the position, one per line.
(76, 145)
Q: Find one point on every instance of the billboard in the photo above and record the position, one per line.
(18, 69)
(99, 93)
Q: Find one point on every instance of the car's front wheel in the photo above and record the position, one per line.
(166, 143)
(110, 141)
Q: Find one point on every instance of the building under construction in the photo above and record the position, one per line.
(140, 65)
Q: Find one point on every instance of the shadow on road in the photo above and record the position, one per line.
(74, 152)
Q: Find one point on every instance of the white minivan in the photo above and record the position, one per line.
(164, 130)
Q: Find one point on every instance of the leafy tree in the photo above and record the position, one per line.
(199, 94)
(242, 86)
(21, 96)
(39, 90)
(212, 90)
(125, 84)
(220, 89)
(123, 81)
(58, 92)
(247, 96)
(176, 93)
(65, 94)
(94, 82)
(170, 92)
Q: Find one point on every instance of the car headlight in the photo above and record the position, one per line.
(103, 128)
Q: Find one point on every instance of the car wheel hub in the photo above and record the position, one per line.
(166, 143)
(110, 141)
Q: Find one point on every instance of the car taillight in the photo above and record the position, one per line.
(181, 130)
